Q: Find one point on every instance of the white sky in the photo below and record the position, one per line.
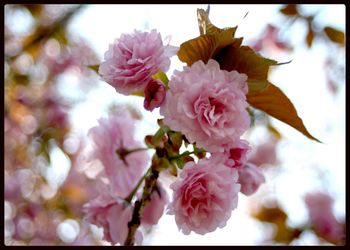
(302, 81)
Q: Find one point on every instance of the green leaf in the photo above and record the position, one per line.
(176, 140)
(160, 75)
(257, 85)
(282, 63)
(138, 93)
(180, 163)
(335, 35)
(274, 131)
(61, 35)
(205, 47)
(45, 152)
(21, 79)
(94, 67)
(276, 104)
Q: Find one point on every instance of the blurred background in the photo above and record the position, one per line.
(52, 99)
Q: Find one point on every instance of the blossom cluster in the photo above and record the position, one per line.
(206, 106)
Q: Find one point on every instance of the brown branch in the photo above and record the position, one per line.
(134, 223)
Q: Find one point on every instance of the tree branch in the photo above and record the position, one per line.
(134, 223)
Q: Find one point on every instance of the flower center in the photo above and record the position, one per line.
(213, 111)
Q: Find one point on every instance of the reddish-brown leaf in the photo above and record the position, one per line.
(290, 10)
(204, 24)
(205, 47)
(335, 35)
(245, 60)
(310, 35)
(275, 103)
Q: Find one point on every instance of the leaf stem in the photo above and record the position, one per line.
(133, 192)
(186, 153)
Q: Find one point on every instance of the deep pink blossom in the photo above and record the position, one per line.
(155, 208)
(207, 105)
(117, 133)
(238, 154)
(204, 196)
(133, 58)
(250, 178)
(154, 94)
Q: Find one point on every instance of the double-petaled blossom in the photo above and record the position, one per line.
(237, 155)
(113, 138)
(250, 178)
(112, 214)
(204, 196)
(132, 59)
(208, 105)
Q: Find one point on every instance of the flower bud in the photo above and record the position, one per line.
(154, 94)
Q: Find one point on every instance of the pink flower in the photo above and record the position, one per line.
(133, 59)
(322, 218)
(207, 105)
(238, 154)
(154, 94)
(117, 133)
(265, 153)
(112, 214)
(270, 41)
(250, 178)
(154, 210)
(204, 197)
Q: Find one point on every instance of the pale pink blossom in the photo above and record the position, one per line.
(117, 133)
(112, 214)
(58, 58)
(265, 152)
(155, 208)
(208, 105)
(154, 94)
(322, 219)
(132, 59)
(205, 195)
(271, 42)
(250, 178)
